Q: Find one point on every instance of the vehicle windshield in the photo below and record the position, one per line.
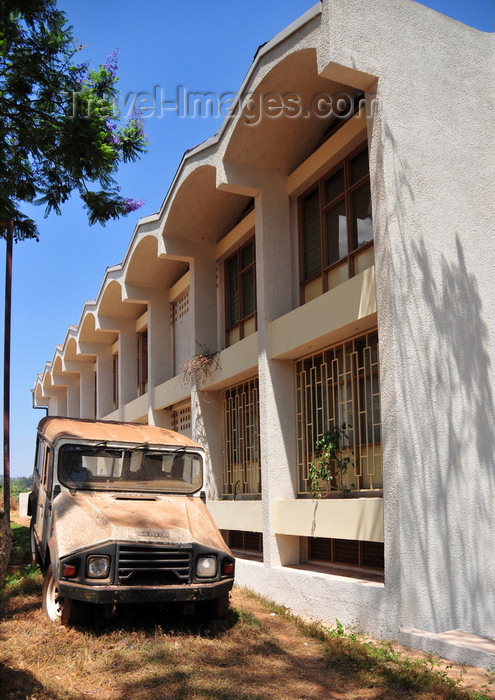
(102, 468)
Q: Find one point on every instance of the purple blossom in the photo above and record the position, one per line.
(129, 205)
(82, 73)
(112, 62)
(136, 120)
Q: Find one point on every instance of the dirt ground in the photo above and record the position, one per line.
(294, 641)
(262, 654)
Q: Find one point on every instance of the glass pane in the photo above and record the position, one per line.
(247, 255)
(336, 233)
(248, 295)
(311, 234)
(232, 291)
(334, 186)
(361, 214)
(120, 469)
(360, 166)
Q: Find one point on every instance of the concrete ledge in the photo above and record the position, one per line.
(456, 645)
(237, 515)
(344, 518)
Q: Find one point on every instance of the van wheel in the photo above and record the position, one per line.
(33, 549)
(64, 611)
(214, 609)
(221, 605)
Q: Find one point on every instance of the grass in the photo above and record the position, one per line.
(259, 651)
(377, 662)
(20, 545)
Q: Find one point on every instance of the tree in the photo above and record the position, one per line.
(59, 127)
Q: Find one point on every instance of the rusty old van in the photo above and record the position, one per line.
(118, 516)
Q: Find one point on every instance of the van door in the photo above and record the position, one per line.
(44, 459)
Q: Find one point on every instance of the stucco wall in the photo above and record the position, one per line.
(433, 165)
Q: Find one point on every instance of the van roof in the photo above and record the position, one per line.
(54, 428)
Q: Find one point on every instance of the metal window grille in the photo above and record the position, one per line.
(335, 387)
(241, 440)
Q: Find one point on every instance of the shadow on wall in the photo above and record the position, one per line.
(444, 411)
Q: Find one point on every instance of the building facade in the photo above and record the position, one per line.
(326, 260)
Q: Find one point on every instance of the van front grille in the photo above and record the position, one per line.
(153, 565)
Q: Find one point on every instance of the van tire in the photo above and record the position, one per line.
(214, 609)
(63, 611)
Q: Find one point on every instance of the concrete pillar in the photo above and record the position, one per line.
(127, 364)
(73, 395)
(276, 378)
(203, 314)
(104, 381)
(87, 389)
(159, 350)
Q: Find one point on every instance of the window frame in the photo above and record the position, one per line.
(240, 441)
(241, 272)
(142, 361)
(333, 388)
(353, 248)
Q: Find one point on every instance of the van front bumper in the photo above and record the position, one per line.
(113, 595)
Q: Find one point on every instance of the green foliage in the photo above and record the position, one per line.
(331, 461)
(20, 546)
(23, 582)
(59, 131)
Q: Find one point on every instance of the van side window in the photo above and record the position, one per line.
(47, 476)
(38, 460)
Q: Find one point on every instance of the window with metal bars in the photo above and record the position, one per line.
(336, 228)
(240, 293)
(243, 541)
(346, 552)
(240, 440)
(340, 386)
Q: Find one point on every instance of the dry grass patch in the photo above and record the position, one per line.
(259, 651)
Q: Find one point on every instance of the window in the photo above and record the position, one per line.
(341, 386)
(240, 293)
(247, 545)
(142, 362)
(346, 552)
(115, 380)
(241, 440)
(336, 229)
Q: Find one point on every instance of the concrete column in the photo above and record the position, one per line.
(204, 405)
(127, 364)
(203, 298)
(87, 389)
(73, 395)
(104, 381)
(159, 355)
(276, 378)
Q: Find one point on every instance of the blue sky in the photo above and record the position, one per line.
(202, 46)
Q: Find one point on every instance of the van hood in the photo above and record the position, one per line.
(86, 518)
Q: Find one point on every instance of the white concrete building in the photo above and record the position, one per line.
(333, 244)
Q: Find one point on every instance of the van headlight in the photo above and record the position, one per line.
(206, 567)
(97, 566)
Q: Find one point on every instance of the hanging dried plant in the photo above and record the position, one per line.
(199, 367)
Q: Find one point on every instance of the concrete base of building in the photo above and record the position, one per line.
(455, 645)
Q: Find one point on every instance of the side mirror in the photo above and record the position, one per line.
(56, 490)
(202, 495)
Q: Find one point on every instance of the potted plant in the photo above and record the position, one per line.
(331, 460)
